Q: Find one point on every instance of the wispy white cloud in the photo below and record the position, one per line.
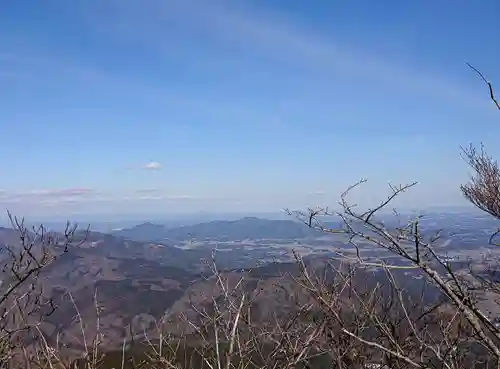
(46, 197)
(59, 192)
(281, 40)
(273, 36)
(65, 197)
(150, 198)
(152, 165)
(186, 197)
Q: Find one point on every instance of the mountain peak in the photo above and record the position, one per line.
(149, 225)
(244, 228)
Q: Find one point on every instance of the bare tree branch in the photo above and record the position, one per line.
(488, 83)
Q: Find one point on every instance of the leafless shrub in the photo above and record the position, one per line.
(476, 338)
(483, 189)
(418, 344)
(332, 320)
(335, 321)
(23, 303)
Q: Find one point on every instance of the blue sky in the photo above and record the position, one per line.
(121, 106)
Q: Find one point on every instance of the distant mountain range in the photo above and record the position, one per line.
(221, 230)
(138, 270)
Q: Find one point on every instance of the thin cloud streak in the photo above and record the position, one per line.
(277, 38)
(70, 196)
(153, 165)
(58, 192)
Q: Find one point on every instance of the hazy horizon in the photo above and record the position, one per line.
(109, 222)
